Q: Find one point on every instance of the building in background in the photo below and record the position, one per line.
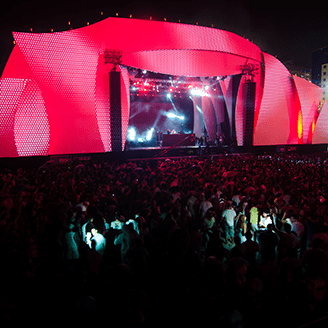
(324, 80)
(319, 60)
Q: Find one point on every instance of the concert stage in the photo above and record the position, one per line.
(91, 92)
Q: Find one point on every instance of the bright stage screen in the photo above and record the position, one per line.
(148, 117)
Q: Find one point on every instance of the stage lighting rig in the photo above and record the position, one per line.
(249, 71)
(114, 57)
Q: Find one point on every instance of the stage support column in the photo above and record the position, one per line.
(115, 110)
(249, 71)
(249, 92)
(113, 57)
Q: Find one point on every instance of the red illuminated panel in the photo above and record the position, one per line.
(219, 105)
(10, 94)
(102, 104)
(64, 64)
(277, 122)
(31, 128)
(226, 86)
(186, 62)
(309, 95)
(295, 115)
(209, 110)
(125, 103)
(131, 35)
(209, 117)
(17, 67)
(199, 123)
(259, 80)
(320, 134)
(72, 106)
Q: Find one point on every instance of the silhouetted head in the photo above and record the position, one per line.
(249, 235)
(317, 243)
(270, 227)
(237, 240)
(287, 227)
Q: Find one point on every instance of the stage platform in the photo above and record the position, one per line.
(157, 153)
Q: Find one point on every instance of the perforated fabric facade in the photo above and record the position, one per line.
(54, 89)
(277, 122)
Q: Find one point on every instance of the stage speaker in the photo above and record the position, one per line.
(249, 92)
(115, 110)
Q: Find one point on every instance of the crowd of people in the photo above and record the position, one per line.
(232, 240)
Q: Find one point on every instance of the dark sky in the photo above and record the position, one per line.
(290, 30)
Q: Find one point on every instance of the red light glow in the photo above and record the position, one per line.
(54, 91)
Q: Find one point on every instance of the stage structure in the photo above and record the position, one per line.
(114, 58)
(71, 92)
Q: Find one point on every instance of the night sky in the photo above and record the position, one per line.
(290, 30)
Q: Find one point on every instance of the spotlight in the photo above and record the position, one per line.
(197, 92)
(168, 96)
(172, 115)
(131, 134)
(149, 134)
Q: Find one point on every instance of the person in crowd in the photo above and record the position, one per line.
(296, 225)
(85, 235)
(287, 239)
(265, 218)
(229, 216)
(254, 220)
(312, 226)
(205, 204)
(236, 270)
(315, 259)
(72, 247)
(241, 227)
(252, 249)
(209, 219)
(288, 265)
(240, 247)
(126, 240)
(100, 240)
(268, 242)
(323, 235)
(94, 259)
